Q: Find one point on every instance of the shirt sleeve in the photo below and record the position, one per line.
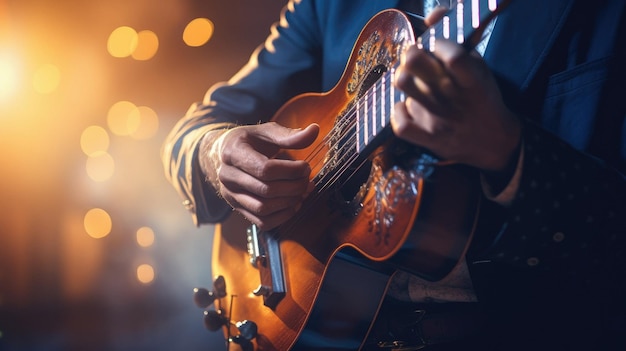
(506, 196)
(286, 65)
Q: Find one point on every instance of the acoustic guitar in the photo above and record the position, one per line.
(380, 205)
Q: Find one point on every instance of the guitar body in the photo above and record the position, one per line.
(394, 207)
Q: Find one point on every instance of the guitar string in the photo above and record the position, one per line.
(345, 158)
(340, 133)
(425, 38)
(344, 125)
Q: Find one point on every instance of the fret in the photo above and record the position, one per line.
(366, 130)
(475, 14)
(383, 103)
(375, 107)
(460, 23)
(375, 112)
(359, 130)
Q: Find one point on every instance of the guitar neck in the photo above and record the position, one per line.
(464, 23)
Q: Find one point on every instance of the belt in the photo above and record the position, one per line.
(402, 326)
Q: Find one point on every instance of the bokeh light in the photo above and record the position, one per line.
(47, 78)
(145, 236)
(122, 42)
(198, 32)
(119, 116)
(97, 223)
(87, 92)
(9, 75)
(143, 123)
(145, 273)
(100, 166)
(147, 45)
(94, 139)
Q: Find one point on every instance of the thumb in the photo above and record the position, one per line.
(289, 138)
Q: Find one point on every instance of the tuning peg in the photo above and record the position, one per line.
(219, 286)
(247, 329)
(203, 297)
(244, 344)
(214, 320)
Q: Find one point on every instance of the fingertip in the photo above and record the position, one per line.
(313, 128)
(436, 15)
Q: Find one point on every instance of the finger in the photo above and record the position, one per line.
(422, 73)
(236, 180)
(288, 138)
(466, 68)
(413, 127)
(265, 169)
(269, 214)
(245, 157)
(264, 207)
(422, 64)
(435, 16)
(429, 94)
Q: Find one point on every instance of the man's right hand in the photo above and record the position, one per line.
(241, 165)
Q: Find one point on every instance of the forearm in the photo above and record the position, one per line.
(208, 156)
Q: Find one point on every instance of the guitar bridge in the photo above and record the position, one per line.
(264, 252)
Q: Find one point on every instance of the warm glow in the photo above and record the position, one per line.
(94, 139)
(100, 166)
(144, 124)
(9, 76)
(122, 42)
(120, 115)
(97, 223)
(198, 32)
(145, 237)
(147, 45)
(47, 79)
(145, 273)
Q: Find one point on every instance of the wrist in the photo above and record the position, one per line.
(209, 156)
(497, 180)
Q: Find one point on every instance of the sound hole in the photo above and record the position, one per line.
(353, 181)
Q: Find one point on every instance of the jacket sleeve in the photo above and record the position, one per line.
(286, 65)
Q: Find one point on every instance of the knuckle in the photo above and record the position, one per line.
(263, 189)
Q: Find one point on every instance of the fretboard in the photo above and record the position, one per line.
(463, 23)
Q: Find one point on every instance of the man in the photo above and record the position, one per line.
(540, 116)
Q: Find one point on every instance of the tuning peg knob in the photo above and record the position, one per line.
(214, 320)
(203, 297)
(244, 344)
(247, 329)
(219, 286)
